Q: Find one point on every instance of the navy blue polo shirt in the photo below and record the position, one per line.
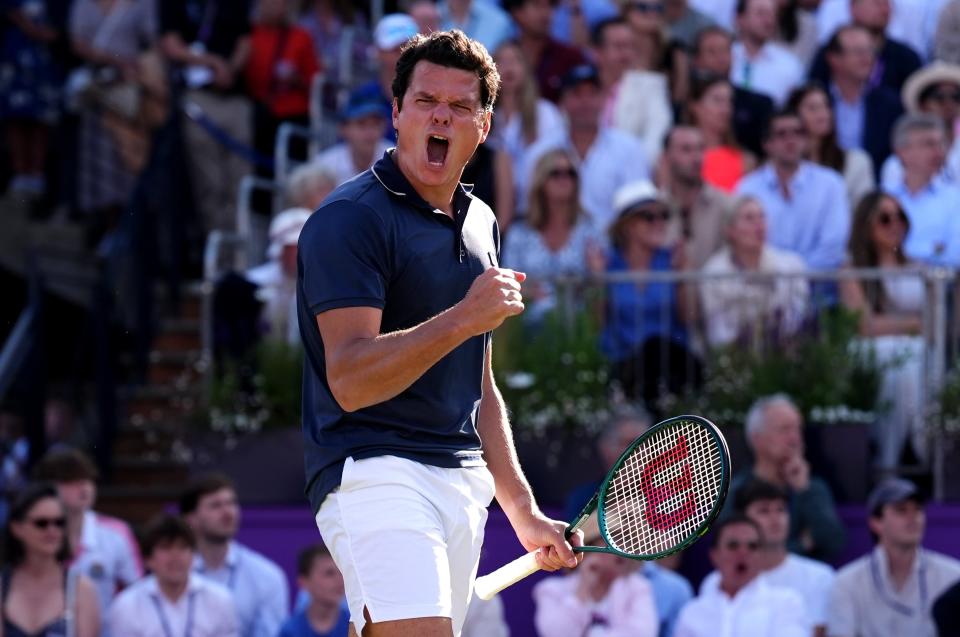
(376, 243)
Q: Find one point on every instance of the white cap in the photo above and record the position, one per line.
(393, 30)
(285, 229)
(633, 194)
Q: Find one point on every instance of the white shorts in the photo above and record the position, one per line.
(407, 537)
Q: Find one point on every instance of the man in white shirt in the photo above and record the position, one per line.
(812, 580)
(758, 63)
(104, 549)
(891, 590)
(258, 586)
(172, 602)
(742, 604)
(362, 121)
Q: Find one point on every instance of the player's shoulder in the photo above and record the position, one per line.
(355, 203)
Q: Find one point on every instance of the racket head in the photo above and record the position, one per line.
(664, 491)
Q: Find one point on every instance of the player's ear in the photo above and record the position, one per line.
(487, 120)
(395, 112)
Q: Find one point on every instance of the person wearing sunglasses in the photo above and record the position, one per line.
(40, 597)
(742, 603)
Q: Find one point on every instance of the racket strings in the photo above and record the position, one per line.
(664, 490)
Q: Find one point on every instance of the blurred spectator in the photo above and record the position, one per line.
(946, 612)
(758, 63)
(864, 114)
(14, 454)
(485, 618)
(392, 32)
(946, 45)
(109, 38)
(711, 110)
(813, 106)
(774, 428)
(700, 207)
(308, 185)
(257, 585)
(751, 308)
(102, 547)
(325, 615)
(805, 204)
(797, 29)
(341, 39)
(609, 158)
(683, 22)
(39, 595)
(742, 603)
(29, 91)
(211, 43)
(635, 101)
(891, 317)
(556, 238)
(279, 73)
(751, 110)
(481, 20)
(655, 51)
(723, 12)
(574, 19)
(767, 506)
(934, 89)
(600, 597)
(645, 335)
(60, 424)
(550, 60)
(171, 601)
(362, 121)
(426, 13)
(894, 60)
(931, 205)
(891, 590)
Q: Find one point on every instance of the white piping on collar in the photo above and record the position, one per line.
(373, 169)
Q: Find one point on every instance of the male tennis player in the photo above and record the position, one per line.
(406, 435)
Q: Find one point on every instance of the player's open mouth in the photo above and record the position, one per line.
(437, 147)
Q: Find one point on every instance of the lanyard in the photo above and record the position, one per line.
(888, 599)
(163, 616)
(231, 578)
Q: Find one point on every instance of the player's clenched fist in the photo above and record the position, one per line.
(492, 297)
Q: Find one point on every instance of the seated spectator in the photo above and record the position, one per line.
(813, 106)
(608, 158)
(342, 41)
(39, 595)
(309, 184)
(805, 204)
(865, 114)
(891, 590)
(600, 597)
(930, 204)
(891, 317)
(362, 121)
(701, 208)
(946, 45)
(258, 586)
(711, 110)
(749, 308)
(325, 615)
(636, 101)
(556, 238)
(483, 21)
(645, 335)
(758, 63)
(550, 59)
(657, 51)
(767, 506)
(172, 601)
(797, 28)
(712, 55)
(684, 23)
(934, 89)
(426, 13)
(774, 428)
(741, 603)
(102, 547)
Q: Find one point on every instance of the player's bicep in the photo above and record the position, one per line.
(342, 329)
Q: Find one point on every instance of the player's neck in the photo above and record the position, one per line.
(214, 554)
(322, 616)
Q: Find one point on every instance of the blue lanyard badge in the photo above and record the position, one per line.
(167, 631)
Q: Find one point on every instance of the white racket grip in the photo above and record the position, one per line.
(507, 575)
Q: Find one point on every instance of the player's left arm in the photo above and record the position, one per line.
(534, 529)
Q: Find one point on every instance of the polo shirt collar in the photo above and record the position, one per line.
(797, 179)
(230, 561)
(393, 180)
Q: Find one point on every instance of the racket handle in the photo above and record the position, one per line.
(507, 575)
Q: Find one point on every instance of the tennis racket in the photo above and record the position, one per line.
(661, 495)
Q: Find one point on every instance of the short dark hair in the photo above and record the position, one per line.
(736, 518)
(448, 48)
(14, 551)
(755, 491)
(784, 113)
(668, 138)
(66, 465)
(200, 487)
(166, 529)
(706, 32)
(512, 5)
(834, 46)
(599, 30)
(309, 556)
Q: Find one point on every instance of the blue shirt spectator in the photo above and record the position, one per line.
(934, 213)
(299, 626)
(850, 118)
(671, 592)
(593, 11)
(484, 21)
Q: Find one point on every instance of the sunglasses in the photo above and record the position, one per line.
(647, 7)
(885, 218)
(556, 173)
(653, 215)
(945, 96)
(45, 523)
(734, 545)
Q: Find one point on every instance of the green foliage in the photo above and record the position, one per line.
(948, 405)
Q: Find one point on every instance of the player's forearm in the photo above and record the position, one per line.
(373, 370)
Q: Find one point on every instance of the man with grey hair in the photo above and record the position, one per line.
(920, 141)
(309, 184)
(774, 430)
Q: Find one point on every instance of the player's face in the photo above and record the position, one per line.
(217, 515)
(900, 524)
(324, 583)
(735, 555)
(439, 126)
(171, 561)
(772, 518)
(77, 495)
